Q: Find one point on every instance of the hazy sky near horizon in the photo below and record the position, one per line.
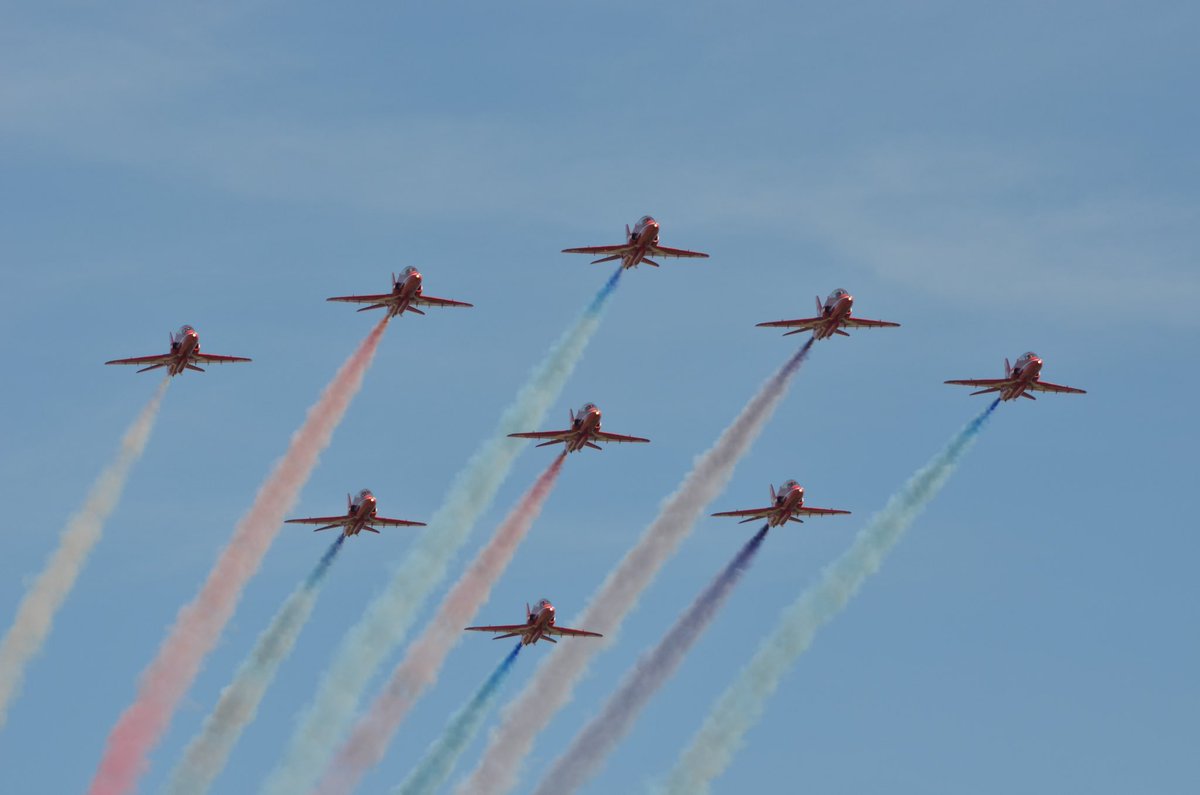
(995, 178)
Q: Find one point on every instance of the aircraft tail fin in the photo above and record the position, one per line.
(839, 331)
(650, 262)
(372, 306)
(509, 635)
(628, 234)
(571, 414)
(1027, 395)
(989, 389)
(326, 527)
(593, 445)
(194, 367)
(1007, 368)
(606, 259)
(797, 331)
(772, 487)
(151, 367)
(528, 612)
(548, 639)
(547, 444)
(820, 306)
(372, 529)
(751, 519)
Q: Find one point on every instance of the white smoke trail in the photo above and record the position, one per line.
(742, 704)
(206, 755)
(35, 615)
(391, 614)
(551, 687)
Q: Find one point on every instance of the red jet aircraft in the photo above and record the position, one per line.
(1018, 381)
(832, 317)
(787, 506)
(185, 355)
(584, 432)
(641, 243)
(360, 515)
(537, 626)
(405, 296)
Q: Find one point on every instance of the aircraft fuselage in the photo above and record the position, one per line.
(586, 424)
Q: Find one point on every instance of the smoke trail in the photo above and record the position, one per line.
(374, 731)
(741, 705)
(389, 616)
(433, 770)
(591, 747)
(199, 623)
(551, 688)
(206, 755)
(35, 614)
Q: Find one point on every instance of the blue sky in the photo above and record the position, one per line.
(996, 178)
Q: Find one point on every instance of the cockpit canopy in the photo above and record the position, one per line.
(362, 495)
(184, 330)
(544, 603)
(410, 270)
(587, 408)
(788, 485)
(836, 295)
(1028, 356)
(645, 221)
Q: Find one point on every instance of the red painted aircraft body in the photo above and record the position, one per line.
(539, 625)
(406, 296)
(832, 317)
(360, 515)
(639, 245)
(584, 432)
(184, 355)
(1018, 381)
(787, 505)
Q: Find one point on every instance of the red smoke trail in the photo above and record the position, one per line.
(371, 736)
(591, 747)
(199, 623)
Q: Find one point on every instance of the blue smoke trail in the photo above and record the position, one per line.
(742, 704)
(391, 614)
(208, 752)
(591, 747)
(433, 770)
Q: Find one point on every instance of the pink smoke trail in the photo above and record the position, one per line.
(551, 687)
(199, 623)
(371, 736)
(591, 747)
(35, 615)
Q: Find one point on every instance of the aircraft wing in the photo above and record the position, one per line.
(362, 299)
(860, 322)
(664, 251)
(164, 358)
(557, 436)
(499, 628)
(752, 513)
(214, 358)
(429, 300)
(804, 510)
(980, 381)
(1045, 386)
(621, 249)
(800, 324)
(385, 522)
(328, 522)
(579, 633)
(604, 436)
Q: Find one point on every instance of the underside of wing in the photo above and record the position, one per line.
(800, 324)
(664, 251)
(332, 521)
(216, 358)
(160, 359)
(517, 628)
(429, 300)
(622, 249)
(361, 299)
(385, 522)
(860, 322)
(753, 513)
(581, 633)
(804, 510)
(604, 436)
(557, 436)
(1045, 386)
(979, 381)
